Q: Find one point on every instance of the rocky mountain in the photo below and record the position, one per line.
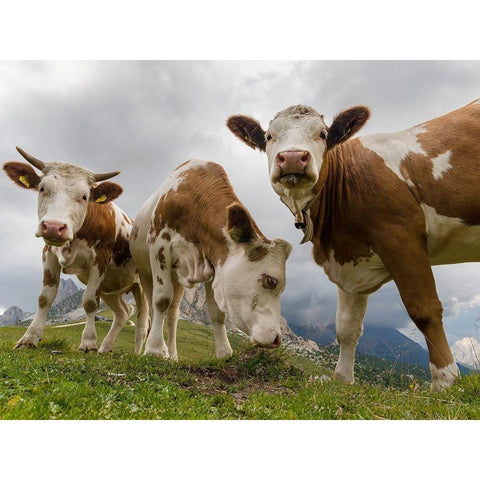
(66, 289)
(12, 316)
(467, 351)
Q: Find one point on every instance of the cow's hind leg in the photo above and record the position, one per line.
(349, 325)
(51, 277)
(172, 320)
(142, 323)
(415, 282)
(162, 296)
(121, 312)
(223, 348)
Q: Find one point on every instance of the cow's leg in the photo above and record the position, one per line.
(413, 276)
(143, 318)
(172, 320)
(121, 312)
(162, 296)
(223, 348)
(91, 300)
(349, 326)
(51, 277)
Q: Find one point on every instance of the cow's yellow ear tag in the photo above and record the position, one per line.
(236, 234)
(24, 180)
(101, 199)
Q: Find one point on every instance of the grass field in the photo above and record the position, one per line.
(55, 381)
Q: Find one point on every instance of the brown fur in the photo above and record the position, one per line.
(49, 280)
(16, 169)
(198, 210)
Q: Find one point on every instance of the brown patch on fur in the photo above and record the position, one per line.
(257, 253)
(42, 301)
(166, 236)
(90, 306)
(161, 258)
(49, 280)
(127, 219)
(134, 234)
(99, 231)
(46, 248)
(159, 280)
(163, 304)
(121, 250)
(198, 210)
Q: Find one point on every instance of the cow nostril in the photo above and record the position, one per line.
(305, 157)
(62, 228)
(44, 227)
(280, 159)
(277, 341)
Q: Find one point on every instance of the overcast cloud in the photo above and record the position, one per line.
(145, 118)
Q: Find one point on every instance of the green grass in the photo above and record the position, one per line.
(254, 384)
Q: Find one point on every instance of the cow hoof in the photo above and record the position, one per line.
(343, 379)
(224, 354)
(88, 348)
(24, 345)
(103, 349)
(154, 352)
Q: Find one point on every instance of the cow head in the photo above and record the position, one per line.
(296, 142)
(63, 193)
(248, 285)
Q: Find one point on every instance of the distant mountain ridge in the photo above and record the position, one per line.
(380, 342)
(12, 316)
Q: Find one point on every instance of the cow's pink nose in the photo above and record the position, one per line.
(53, 229)
(293, 161)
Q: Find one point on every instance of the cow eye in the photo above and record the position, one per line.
(42, 189)
(85, 197)
(269, 282)
(323, 134)
(268, 137)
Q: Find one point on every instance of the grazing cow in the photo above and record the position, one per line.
(193, 230)
(377, 208)
(85, 235)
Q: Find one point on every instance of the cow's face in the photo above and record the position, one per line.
(64, 191)
(248, 285)
(296, 142)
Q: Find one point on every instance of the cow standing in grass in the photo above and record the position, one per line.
(85, 235)
(377, 208)
(194, 230)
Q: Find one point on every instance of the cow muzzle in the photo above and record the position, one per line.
(266, 337)
(54, 233)
(293, 167)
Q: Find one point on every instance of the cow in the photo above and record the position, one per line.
(378, 208)
(87, 235)
(192, 230)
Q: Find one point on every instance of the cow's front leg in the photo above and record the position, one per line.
(162, 296)
(51, 276)
(223, 348)
(91, 300)
(349, 326)
(412, 273)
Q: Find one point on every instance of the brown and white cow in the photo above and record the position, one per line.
(193, 230)
(377, 208)
(85, 235)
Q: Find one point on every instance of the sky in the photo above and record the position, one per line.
(146, 117)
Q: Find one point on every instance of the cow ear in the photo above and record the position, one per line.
(239, 224)
(22, 174)
(105, 192)
(248, 130)
(346, 124)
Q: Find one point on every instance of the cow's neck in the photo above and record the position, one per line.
(327, 210)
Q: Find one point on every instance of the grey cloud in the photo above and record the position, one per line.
(145, 118)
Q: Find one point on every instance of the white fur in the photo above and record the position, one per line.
(443, 377)
(172, 182)
(349, 325)
(441, 164)
(365, 275)
(393, 148)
